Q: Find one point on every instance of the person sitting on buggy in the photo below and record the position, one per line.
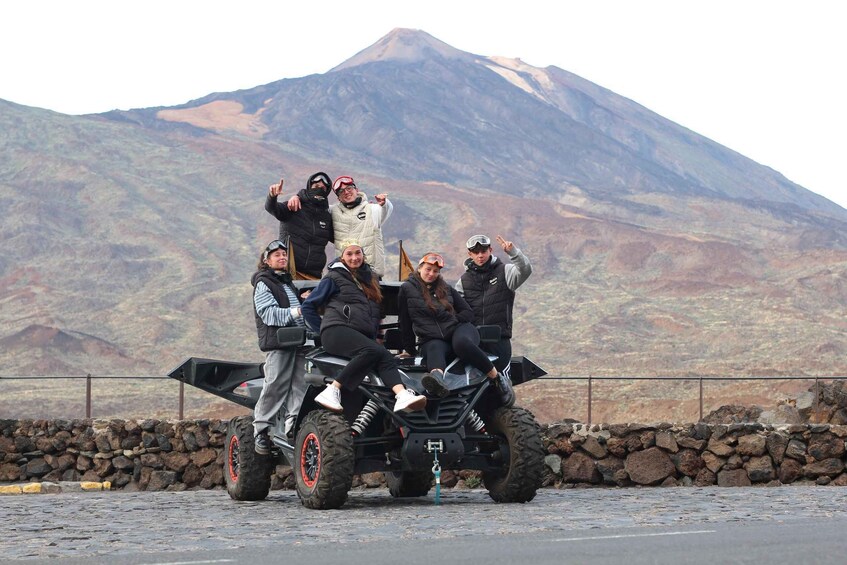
(350, 294)
(436, 314)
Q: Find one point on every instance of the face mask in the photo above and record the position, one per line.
(316, 193)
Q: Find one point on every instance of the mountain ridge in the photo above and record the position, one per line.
(655, 250)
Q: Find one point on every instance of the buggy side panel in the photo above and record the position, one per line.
(522, 370)
(220, 378)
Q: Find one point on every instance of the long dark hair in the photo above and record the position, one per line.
(366, 281)
(439, 288)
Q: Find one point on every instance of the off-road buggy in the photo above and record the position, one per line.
(467, 429)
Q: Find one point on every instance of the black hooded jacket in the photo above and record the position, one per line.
(309, 228)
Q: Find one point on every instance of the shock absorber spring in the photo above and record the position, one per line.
(364, 418)
(476, 422)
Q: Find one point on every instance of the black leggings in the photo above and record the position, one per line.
(464, 344)
(364, 354)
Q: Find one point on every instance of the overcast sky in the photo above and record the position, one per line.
(764, 78)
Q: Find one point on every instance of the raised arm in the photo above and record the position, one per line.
(272, 205)
(519, 268)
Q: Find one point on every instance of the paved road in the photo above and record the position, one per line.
(650, 525)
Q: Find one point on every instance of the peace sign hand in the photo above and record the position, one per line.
(506, 245)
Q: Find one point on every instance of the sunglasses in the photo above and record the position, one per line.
(475, 240)
(432, 259)
(340, 181)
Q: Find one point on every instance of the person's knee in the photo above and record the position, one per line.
(462, 346)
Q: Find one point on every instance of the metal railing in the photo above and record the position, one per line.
(88, 392)
(700, 380)
(590, 380)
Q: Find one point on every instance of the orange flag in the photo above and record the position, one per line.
(406, 266)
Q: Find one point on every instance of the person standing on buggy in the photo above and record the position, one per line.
(350, 295)
(437, 315)
(489, 287)
(275, 305)
(309, 226)
(353, 217)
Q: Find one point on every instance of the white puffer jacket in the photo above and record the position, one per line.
(364, 224)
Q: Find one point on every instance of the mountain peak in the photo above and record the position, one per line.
(403, 44)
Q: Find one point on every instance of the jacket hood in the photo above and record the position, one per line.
(323, 177)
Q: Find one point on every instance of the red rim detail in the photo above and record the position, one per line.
(232, 458)
(310, 458)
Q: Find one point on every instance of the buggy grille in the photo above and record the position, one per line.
(446, 413)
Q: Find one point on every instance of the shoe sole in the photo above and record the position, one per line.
(417, 405)
(261, 450)
(434, 387)
(338, 410)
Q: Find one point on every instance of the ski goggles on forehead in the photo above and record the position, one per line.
(432, 259)
(343, 181)
(273, 246)
(474, 240)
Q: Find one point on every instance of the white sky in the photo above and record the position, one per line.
(765, 78)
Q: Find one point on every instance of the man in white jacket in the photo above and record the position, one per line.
(354, 218)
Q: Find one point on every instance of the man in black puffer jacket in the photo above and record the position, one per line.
(309, 226)
(489, 287)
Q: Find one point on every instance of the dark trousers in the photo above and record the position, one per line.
(503, 350)
(364, 354)
(464, 344)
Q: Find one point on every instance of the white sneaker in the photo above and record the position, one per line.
(409, 401)
(330, 398)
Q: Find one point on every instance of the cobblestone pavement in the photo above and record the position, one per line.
(87, 524)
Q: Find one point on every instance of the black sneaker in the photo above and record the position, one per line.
(262, 443)
(434, 383)
(503, 386)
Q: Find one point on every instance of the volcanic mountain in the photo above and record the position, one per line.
(656, 251)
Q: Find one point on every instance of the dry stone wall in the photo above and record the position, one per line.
(164, 455)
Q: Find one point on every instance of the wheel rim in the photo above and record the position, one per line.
(232, 460)
(310, 460)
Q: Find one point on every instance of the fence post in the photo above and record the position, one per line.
(701, 399)
(88, 395)
(817, 400)
(589, 400)
(181, 400)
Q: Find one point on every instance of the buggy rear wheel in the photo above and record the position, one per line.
(523, 452)
(402, 484)
(246, 473)
(323, 460)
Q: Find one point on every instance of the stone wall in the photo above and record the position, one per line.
(159, 455)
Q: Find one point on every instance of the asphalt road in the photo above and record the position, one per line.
(802, 524)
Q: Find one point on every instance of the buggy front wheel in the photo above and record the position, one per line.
(323, 460)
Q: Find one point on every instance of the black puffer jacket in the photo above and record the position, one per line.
(349, 306)
(490, 298)
(309, 228)
(416, 318)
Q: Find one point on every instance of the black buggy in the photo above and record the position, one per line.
(467, 429)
